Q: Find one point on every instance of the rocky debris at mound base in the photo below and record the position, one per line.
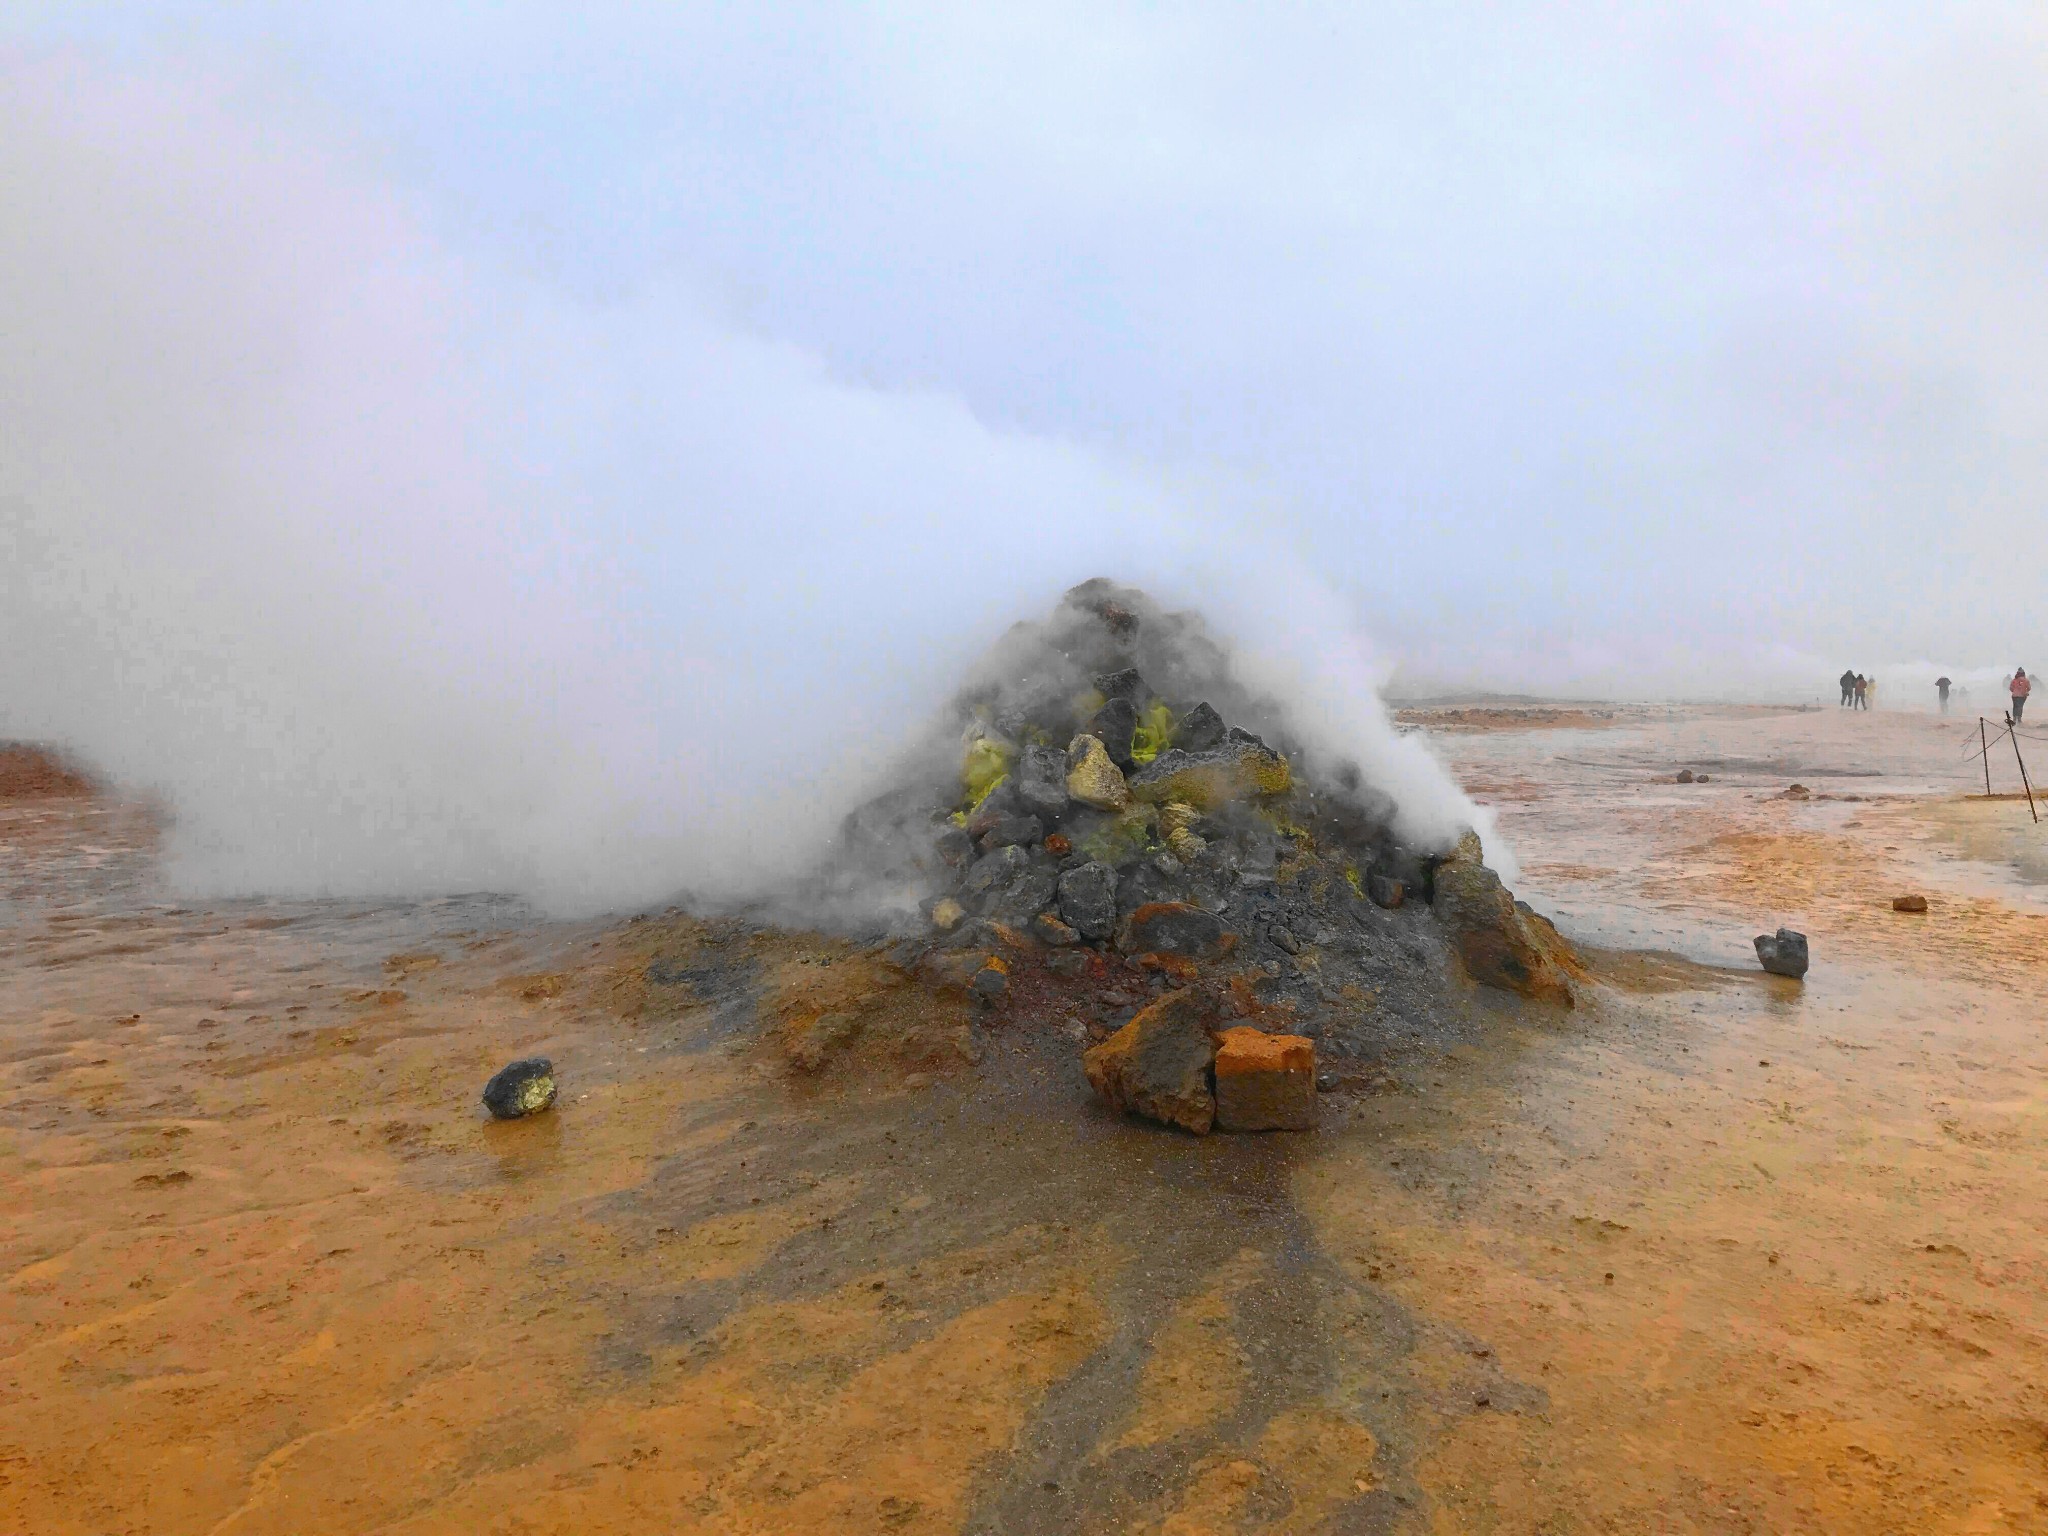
(1909, 903)
(1113, 816)
(1502, 942)
(1782, 953)
(1158, 1065)
(1265, 1082)
(1176, 1062)
(524, 1087)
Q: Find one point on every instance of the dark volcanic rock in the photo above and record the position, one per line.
(1087, 899)
(990, 982)
(1041, 780)
(1199, 729)
(991, 873)
(1239, 769)
(1125, 685)
(1158, 1064)
(1013, 831)
(1498, 944)
(524, 1087)
(1029, 893)
(1385, 890)
(1112, 726)
(1782, 953)
(1174, 928)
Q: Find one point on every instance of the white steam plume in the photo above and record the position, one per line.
(396, 574)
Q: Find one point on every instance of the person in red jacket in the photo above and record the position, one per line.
(2020, 689)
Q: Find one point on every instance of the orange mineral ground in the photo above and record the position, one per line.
(802, 1249)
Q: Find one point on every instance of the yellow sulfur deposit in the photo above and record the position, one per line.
(1154, 732)
(986, 765)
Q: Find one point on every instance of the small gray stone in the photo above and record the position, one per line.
(1087, 899)
(1013, 832)
(1199, 729)
(1782, 953)
(1127, 685)
(991, 872)
(1285, 939)
(1041, 778)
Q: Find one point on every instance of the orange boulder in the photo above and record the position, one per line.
(1265, 1082)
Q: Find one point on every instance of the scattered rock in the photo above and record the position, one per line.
(1284, 938)
(992, 982)
(1701, 778)
(1125, 686)
(1048, 929)
(1087, 900)
(1120, 839)
(1042, 782)
(992, 872)
(1013, 832)
(1782, 953)
(1909, 903)
(1494, 937)
(1177, 821)
(1030, 891)
(524, 1087)
(1685, 775)
(1241, 768)
(1798, 792)
(1067, 964)
(1385, 890)
(1114, 725)
(1158, 1064)
(1264, 1082)
(1174, 928)
(1199, 729)
(1092, 778)
(1059, 845)
(947, 914)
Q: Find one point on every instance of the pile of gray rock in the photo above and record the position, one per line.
(1112, 814)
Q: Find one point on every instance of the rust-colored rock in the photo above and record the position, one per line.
(1265, 1082)
(1158, 1064)
(1501, 942)
(1179, 967)
(1175, 928)
(1909, 903)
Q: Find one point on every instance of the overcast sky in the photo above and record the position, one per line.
(599, 399)
(1617, 325)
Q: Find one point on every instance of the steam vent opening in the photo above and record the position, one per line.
(1111, 835)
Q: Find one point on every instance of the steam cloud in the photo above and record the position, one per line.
(399, 574)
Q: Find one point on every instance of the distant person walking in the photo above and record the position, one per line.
(1860, 686)
(2021, 687)
(1941, 687)
(1869, 691)
(1848, 681)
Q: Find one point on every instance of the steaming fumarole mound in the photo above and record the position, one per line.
(1108, 813)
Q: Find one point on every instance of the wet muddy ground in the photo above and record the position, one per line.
(1711, 1252)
